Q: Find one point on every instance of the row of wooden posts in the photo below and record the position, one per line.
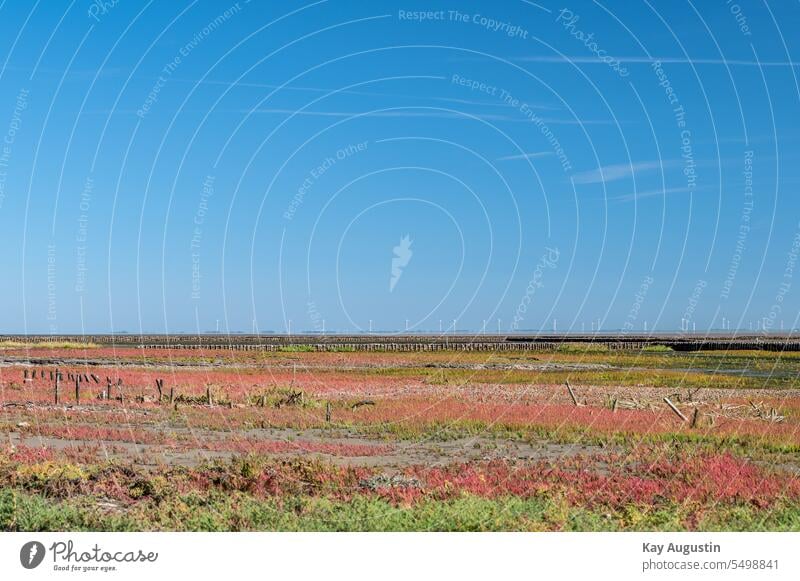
(57, 377)
(491, 346)
(28, 376)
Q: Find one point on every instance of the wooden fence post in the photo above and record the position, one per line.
(328, 411)
(78, 391)
(56, 386)
(572, 394)
(676, 410)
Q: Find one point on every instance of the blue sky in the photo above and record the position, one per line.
(183, 167)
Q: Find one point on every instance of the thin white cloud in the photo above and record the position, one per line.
(652, 194)
(526, 155)
(650, 60)
(329, 91)
(410, 112)
(615, 172)
(396, 113)
(424, 113)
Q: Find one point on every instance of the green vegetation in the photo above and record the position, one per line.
(657, 349)
(296, 349)
(236, 511)
(582, 348)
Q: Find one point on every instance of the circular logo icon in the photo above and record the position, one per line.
(32, 554)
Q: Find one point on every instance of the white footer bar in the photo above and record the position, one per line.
(388, 556)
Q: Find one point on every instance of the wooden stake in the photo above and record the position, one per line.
(171, 394)
(695, 417)
(78, 391)
(58, 376)
(327, 411)
(572, 394)
(208, 395)
(676, 410)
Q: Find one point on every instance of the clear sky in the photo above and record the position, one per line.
(338, 165)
